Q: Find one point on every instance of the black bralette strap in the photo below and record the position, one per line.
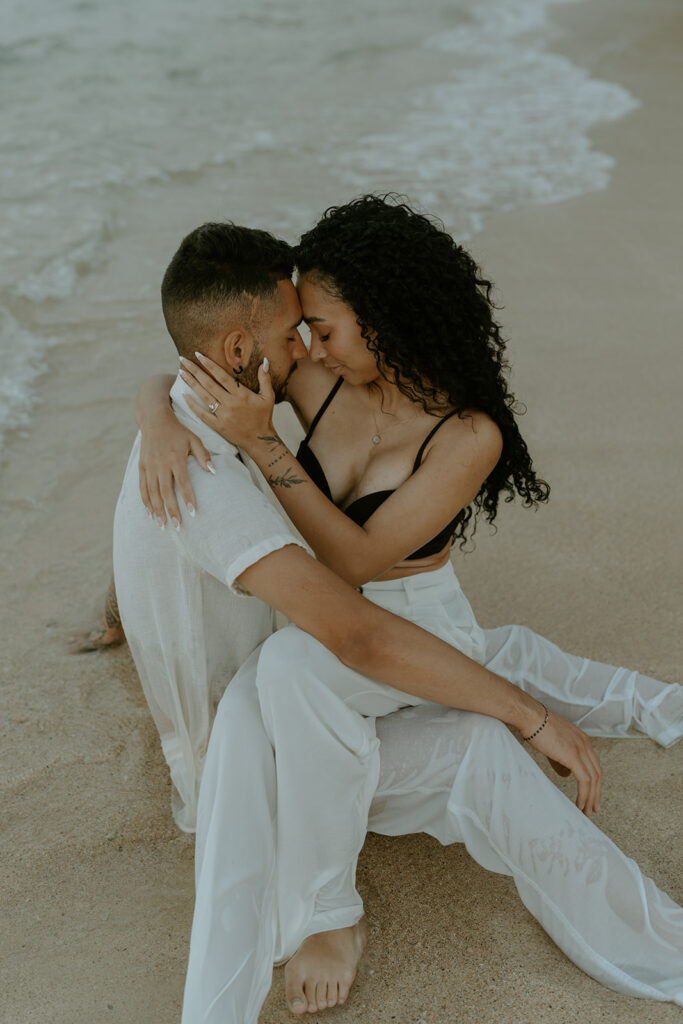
(430, 435)
(323, 407)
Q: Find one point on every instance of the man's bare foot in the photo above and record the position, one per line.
(98, 640)
(322, 971)
(108, 634)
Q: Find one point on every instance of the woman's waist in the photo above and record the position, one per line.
(434, 601)
(416, 567)
(413, 583)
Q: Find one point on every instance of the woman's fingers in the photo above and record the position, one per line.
(589, 779)
(158, 492)
(203, 457)
(180, 479)
(566, 745)
(158, 510)
(144, 490)
(206, 396)
(169, 499)
(215, 370)
(211, 386)
(594, 762)
(199, 410)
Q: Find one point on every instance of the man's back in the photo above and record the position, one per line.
(188, 631)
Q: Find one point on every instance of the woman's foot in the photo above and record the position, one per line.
(322, 971)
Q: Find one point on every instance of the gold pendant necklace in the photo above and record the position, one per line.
(377, 436)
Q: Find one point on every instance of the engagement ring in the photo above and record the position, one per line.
(212, 407)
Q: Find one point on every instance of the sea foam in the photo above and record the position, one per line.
(509, 128)
(139, 105)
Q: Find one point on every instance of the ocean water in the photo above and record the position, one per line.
(124, 125)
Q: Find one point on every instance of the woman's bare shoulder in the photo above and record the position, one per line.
(469, 438)
(308, 387)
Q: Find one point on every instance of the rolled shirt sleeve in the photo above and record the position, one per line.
(235, 525)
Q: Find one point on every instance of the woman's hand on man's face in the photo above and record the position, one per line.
(164, 450)
(231, 409)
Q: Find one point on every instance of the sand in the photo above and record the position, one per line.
(97, 883)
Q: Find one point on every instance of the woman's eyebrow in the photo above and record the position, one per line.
(314, 319)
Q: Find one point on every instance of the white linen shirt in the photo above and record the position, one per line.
(188, 624)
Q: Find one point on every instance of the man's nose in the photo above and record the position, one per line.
(298, 349)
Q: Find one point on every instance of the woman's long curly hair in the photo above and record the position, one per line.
(425, 312)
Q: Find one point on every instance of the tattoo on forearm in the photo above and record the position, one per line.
(279, 449)
(271, 439)
(288, 479)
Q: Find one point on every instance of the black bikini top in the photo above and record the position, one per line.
(362, 508)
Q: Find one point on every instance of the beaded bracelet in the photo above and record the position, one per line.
(542, 726)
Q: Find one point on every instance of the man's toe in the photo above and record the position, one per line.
(309, 989)
(296, 998)
(321, 995)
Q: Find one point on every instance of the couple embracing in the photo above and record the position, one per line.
(383, 705)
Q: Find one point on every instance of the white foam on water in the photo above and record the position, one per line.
(510, 128)
(23, 361)
(57, 277)
(462, 106)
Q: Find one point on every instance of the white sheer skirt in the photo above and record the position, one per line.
(294, 778)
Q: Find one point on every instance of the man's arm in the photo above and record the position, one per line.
(397, 652)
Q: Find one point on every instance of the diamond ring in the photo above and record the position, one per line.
(212, 407)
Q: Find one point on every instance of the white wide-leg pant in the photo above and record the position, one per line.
(293, 772)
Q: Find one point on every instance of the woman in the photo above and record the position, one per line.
(411, 430)
(410, 434)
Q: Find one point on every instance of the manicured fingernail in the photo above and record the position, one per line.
(211, 468)
(176, 524)
(191, 509)
(266, 364)
(182, 374)
(160, 522)
(199, 355)
(148, 512)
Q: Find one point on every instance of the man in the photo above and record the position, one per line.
(286, 785)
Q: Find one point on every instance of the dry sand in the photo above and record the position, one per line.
(97, 883)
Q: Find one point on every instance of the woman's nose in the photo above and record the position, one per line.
(317, 350)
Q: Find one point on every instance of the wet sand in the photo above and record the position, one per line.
(97, 883)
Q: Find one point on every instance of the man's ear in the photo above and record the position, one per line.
(237, 346)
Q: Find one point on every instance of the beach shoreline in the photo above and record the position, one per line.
(98, 883)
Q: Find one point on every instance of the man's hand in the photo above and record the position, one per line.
(569, 751)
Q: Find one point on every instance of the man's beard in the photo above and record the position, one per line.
(249, 375)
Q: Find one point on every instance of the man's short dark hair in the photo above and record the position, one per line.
(218, 266)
